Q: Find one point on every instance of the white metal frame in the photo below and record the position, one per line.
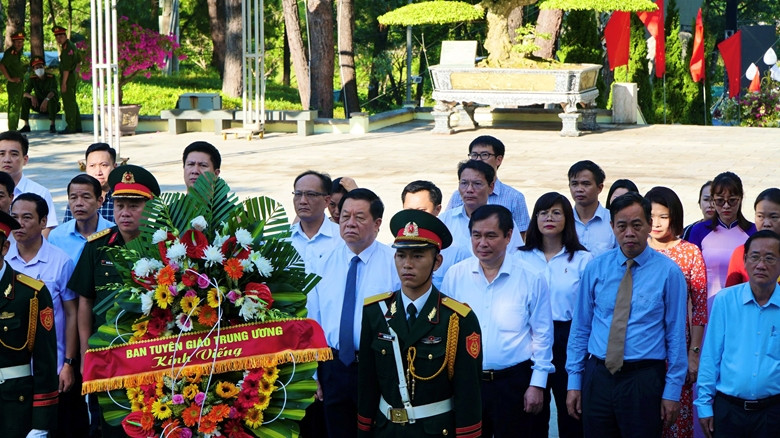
(253, 64)
(105, 72)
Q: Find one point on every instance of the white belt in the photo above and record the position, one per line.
(404, 415)
(16, 372)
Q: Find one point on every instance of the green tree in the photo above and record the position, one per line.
(581, 43)
(637, 70)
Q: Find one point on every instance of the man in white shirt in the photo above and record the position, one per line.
(314, 236)
(586, 180)
(513, 308)
(85, 196)
(351, 273)
(13, 157)
(200, 157)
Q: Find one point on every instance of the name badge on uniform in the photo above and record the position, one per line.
(385, 337)
(106, 263)
(430, 340)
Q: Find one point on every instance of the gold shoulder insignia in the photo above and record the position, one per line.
(29, 281)
(377, 298)
(98, 235)
(458, 307)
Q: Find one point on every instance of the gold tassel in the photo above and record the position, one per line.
(32, 325)
(452, 343)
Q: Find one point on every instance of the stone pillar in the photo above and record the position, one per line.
(624, 102)
(570, 124)
(358, 123)
(441, 118)
(589, 122)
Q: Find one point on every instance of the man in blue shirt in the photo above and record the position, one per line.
(100, 161)
(739, 389)
(586, 181)
(629, 323)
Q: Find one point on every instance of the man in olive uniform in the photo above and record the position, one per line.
(132, 186)
(423, 339)
(69, 66)
(13, 69)
(40, 94)
(28, 393)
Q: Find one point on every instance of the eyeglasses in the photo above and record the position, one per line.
(733, 201)
(478, 185)
(768, 259)
(481, 155)
(555, 215)
(311, 195)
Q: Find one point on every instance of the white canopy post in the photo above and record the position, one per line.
(105, 72)
(253, 65)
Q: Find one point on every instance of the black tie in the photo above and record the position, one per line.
(412, 311)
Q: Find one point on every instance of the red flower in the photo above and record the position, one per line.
(146, 282)
(234, 429)
(232, 248)
(189, 278)
(260, 290)
(155, 327)
(163, 247)
(234, 269)
(132, 425)
(196, 242)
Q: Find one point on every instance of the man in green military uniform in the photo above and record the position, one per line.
(69, 66)
(28, 393)
(132, 186)
(40, 94)
(420, 359)
(13, 69)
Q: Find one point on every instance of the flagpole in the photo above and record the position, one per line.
(704, 96)
(664, 98)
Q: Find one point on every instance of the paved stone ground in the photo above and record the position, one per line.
(536, 161)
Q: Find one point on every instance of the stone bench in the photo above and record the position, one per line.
(177, 118)
(303, 118)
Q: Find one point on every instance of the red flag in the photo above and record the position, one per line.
(731, 52)
(697, 58)
(755, 84)
(654, 22)
(618, 35)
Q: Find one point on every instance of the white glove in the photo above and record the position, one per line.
(37, 433)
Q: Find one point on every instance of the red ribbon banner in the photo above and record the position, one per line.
(235, 348)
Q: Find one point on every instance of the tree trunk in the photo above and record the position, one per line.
(297, 51)
(167, 15)
(36, 27)
(421, 72)
(51, 18)
(549, 22)
(346, 24)
(321, 56)
(380, 44)
(154, 10)
(514, 22)
(217, 27)
(15, 21)
(497, 41)
(285, 59)
(232, 80)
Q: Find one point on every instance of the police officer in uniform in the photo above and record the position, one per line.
(13, 69)
(132, 186)
(40, 94)
(420, 359)
(69, 65)
(28, 393)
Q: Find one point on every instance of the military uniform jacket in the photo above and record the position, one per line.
(40, 87)
(69, 57)
(94, 270)
(428, 336)
(27, 402)
(12, 60)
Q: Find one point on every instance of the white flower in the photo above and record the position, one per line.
(184, 322)
(220, 240)
(147, 300)
(243, 237)
(159, 236)
(199, 223)
(146, 266)
(264, 266)
(177, 251)
(249, 308)
(247, 265)
(213, 255)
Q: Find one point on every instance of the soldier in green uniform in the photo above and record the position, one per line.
(420, 359)
(28, 393)
(40, 94)
(132, 186)
(69, 65)
(13, 69)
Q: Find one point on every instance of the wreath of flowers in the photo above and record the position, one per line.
(204, 262)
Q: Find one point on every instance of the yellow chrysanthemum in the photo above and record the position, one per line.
(190, 391)
(190, 304)
(193, 375)
(161, 410)
(270, 374)
(139, 328)
(214, 297)
(133, 392)
(266, 387)
(226, 390)
(253, 418)
(163, 297)
(137, 405)
(263, 400)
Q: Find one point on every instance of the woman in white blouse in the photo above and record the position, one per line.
(552, 248)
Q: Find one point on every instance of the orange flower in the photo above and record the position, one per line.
(207, 425)
(190, 415)
(166, 276)
(234, 269)
(219, 412)
(147, 421)
(208, 316)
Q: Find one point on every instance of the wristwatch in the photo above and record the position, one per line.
(69, 361)
(696, 350)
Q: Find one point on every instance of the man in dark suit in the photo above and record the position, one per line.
(420, 357)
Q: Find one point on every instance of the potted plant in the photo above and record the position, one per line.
(140, 51)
